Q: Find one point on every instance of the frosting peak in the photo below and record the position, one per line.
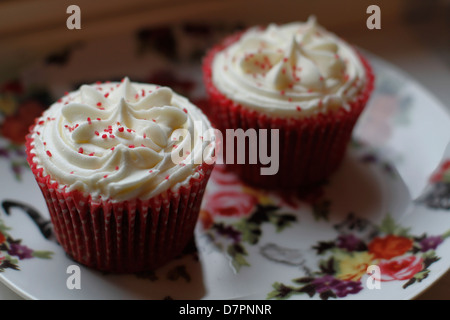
(117, 140)
(285, 68)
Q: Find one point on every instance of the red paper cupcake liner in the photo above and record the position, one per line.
(310, 148)
(126, 236)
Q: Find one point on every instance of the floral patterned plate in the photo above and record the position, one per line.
(378, 229)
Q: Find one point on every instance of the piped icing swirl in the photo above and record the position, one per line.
(121, 140)
(289, 70)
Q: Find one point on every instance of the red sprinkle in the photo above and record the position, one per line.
(104, 136)
(49, 153)
(117, 167)
(299, 109)
(106, 95)
(99, 104)
(131, 146)
(105, 176)
(185, 110)
(80, 150)
(97, 133)
(41, 122)
(121, 129)
(89, 120)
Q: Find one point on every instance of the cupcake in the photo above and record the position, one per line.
(302, 84)
(122, 167)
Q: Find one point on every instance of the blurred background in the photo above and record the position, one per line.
(414, 34)
(121, 37)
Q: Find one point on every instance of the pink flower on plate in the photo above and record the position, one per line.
(231, 203)
(221, 176)
(401, 268)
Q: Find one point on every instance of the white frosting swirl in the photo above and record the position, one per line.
(290, 70)
(119, 140)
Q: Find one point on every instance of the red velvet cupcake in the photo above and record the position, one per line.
(122, 167)
(298, 78)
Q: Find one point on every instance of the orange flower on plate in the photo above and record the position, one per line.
(206, 219)
(16, 126)
(389, 246)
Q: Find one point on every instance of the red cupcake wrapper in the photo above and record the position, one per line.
(310, 148)
(126, 236)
